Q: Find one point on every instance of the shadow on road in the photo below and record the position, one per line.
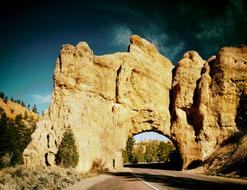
(180, 182)
(161, 166)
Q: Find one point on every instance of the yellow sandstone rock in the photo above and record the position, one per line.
(106, 99)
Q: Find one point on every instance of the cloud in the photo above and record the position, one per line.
(41, 99)
(164, 41)
(219, 30)
(175, 50)
(121, 36)
(166, 44)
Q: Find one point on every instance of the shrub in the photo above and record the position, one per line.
(18, 119)
(98, 166)
(67, 155)
(39, 178)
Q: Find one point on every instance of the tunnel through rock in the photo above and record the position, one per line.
(151, 149)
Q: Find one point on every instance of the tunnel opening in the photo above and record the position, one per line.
(153, 150)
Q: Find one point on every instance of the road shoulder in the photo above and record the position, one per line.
(88, 182)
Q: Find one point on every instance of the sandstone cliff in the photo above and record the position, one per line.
(206, 98)
(106, 99)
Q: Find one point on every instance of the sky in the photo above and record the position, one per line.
(32, 33)
(150, 136)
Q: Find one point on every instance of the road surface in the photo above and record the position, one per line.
(154, 179)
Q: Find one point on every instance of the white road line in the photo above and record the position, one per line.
(148, 184)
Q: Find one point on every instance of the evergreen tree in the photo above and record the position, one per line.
(34, 108)
(14, 137)
(5, 99)
(128, 155)
(23, 104)
(2, 95)
(67, 155)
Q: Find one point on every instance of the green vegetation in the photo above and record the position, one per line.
(14, 138)
(18, 101)
(39, 178)
(67, 155)
(15, 135)
(2, 95)
(34, 108)
(128, 155)
(148, 151)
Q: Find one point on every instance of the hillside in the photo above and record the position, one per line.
(230, 158)
(13, 109)
(17, 124)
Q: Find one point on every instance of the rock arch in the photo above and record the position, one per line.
(176, 163)
(105, 99)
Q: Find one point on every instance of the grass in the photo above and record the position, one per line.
(22, 178)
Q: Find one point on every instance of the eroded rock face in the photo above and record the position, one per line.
(106, 99)
(185, 82)
(206, 97)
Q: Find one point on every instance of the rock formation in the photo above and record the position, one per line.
(206, 97)
(106, 99)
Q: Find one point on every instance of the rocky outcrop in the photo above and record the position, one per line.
(206, 97)
(226, 123)
(229, 158)
(185, 85)
(106, 99)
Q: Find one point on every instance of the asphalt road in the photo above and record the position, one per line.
(154, 179)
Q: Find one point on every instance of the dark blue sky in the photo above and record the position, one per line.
(33, 32)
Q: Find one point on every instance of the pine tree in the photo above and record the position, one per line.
(67, 155)
(23, 104)
(14, 138)
(2, 95)
(5, 99)
(34, 108)
(128, 155)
